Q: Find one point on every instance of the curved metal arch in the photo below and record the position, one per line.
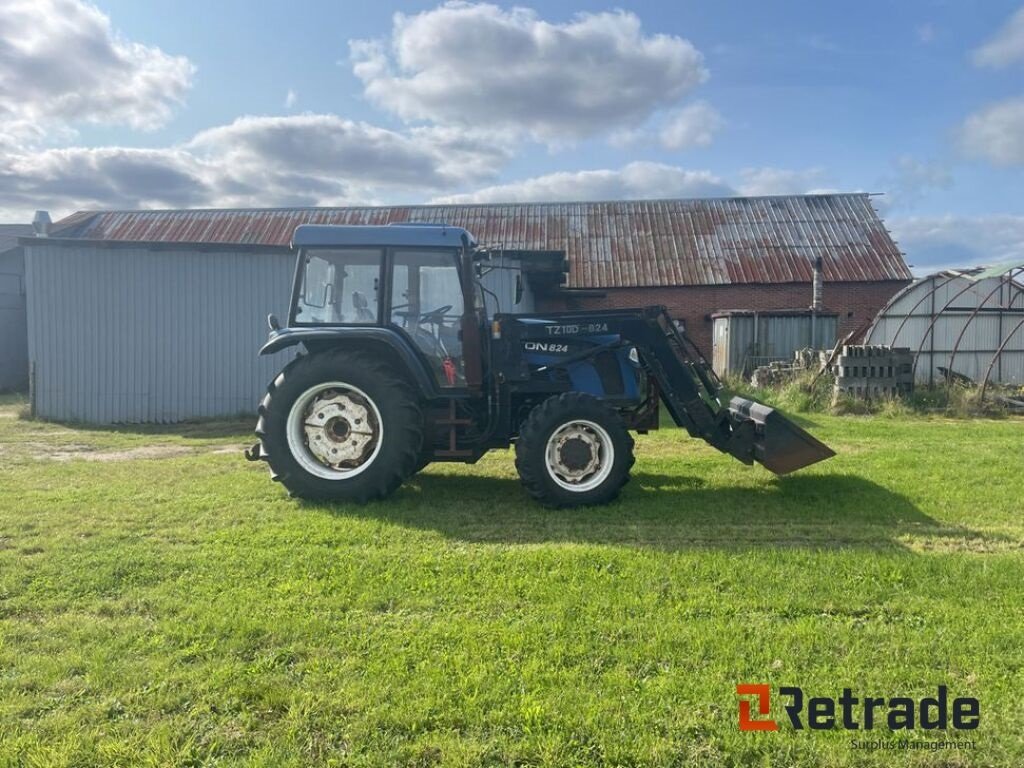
(999, 351)
(931, 325)
(1005, 279)
(903, 292)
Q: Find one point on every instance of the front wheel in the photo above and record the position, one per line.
(573, 450)
(340, 425)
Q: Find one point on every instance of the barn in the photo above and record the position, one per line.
(137, 316)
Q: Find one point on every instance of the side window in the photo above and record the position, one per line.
(339, 286)
(427, 303)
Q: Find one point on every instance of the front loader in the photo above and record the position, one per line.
(408, 359)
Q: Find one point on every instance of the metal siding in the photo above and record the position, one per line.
(741, 340)
(137, 335)
(629, 243)
(13, 333)
(782, 335)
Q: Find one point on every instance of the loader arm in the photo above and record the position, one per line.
(748, 430)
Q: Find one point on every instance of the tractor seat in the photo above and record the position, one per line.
(362, 307)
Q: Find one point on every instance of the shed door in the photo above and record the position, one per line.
(720, 346)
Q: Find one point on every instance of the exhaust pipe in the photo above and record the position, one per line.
(764, 435)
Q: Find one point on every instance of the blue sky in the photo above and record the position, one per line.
(187, 104)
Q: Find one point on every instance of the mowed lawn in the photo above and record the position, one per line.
(163, 603)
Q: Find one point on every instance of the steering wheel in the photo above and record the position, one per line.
(435, 315)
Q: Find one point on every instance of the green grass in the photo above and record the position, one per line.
(163, 603)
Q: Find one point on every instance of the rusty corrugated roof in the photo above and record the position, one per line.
(609, 244)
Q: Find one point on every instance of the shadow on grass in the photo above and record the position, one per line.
(669, 512)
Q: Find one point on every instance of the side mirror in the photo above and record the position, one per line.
(519, 288)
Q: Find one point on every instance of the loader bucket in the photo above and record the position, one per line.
(779, 444)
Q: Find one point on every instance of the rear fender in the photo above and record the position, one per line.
(383, 341)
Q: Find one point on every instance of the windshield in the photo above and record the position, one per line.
(339, 286)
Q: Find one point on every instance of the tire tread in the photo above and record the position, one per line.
(377, 481)
(532, 441)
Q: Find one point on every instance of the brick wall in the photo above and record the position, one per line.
(856, 303)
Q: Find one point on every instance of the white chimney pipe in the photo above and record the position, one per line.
(817, 287)
(41, 223)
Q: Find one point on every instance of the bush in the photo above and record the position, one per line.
(807, 394)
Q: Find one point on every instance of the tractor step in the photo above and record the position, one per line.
(456, 454)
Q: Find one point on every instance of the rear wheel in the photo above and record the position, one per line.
(573, 450)
(340, 425)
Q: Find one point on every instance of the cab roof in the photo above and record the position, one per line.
(375, 236)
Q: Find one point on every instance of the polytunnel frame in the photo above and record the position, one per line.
(1007, 277)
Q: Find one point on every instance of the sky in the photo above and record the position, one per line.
(180, 103)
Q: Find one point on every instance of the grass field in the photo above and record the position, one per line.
(163, 603)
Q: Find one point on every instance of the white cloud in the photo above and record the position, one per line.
(329, 146)
(635, 180)
(1005, 47)
(911, 179)
(944, 242)
(62, 64)
(64, 179)
(253, 161)
(781, 181)
(291, 99)
(925, 33)
(996, 133)
(692, 126)
(465, 64)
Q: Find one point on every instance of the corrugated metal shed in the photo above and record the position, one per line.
(13, 336)
(967, 321)
(173, 337)
(744, 340)
(635, 243)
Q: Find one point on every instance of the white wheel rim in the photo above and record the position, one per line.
(579, 455)
(334, 430)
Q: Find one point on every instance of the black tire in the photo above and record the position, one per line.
(400, 417)
(532, 449)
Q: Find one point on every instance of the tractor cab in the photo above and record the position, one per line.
(410, 279)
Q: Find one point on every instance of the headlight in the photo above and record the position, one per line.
(634, 356)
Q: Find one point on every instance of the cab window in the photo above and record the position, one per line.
(339, 286)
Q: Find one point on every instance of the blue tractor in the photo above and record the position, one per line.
(409, 359)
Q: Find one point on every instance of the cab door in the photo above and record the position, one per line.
(427, 304)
